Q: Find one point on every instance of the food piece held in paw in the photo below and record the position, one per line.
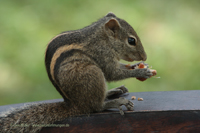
(141, 79)
(128, 66)
(140, 66)
(140, 99)
(154, 72)
(133, 97)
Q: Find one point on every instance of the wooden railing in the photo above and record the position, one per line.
(169, 111)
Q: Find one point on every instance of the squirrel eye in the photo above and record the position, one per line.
(131, 41)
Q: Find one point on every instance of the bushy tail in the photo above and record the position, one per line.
(34, 117)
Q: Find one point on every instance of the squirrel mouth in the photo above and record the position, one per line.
(127, 58)
(130, 60)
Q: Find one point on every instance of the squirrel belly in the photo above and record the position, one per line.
(78, 64)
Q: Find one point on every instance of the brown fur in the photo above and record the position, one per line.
(78, 64)
(59, 52)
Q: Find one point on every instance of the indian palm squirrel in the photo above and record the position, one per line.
(78, 64)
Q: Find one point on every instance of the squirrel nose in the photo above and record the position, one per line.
(143, 56)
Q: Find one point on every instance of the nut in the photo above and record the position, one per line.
(133, 97)
(140, 99)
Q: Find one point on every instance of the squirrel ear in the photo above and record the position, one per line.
(112, 25)
(110, 14)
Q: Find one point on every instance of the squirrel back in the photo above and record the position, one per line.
(78, 64)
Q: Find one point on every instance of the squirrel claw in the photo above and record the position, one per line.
(129, 105)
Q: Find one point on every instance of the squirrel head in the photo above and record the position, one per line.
(123, 39)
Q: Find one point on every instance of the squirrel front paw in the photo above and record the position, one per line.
(142, 73)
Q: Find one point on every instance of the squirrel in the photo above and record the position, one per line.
(78, 64)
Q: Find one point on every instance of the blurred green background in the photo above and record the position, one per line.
(169, 30)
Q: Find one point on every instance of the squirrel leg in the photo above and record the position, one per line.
(116, 91)
(117, 103)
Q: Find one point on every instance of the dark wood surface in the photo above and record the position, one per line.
(170, 111)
